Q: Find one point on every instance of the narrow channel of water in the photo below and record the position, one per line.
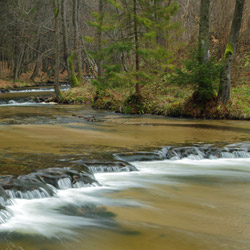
(190, 190)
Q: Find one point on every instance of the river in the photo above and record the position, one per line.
(153, 182)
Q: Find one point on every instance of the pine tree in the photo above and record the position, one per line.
(134, 47)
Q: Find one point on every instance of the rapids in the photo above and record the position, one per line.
(74, 178)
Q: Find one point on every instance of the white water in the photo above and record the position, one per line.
(46, 217)
(63, 88)
(24, 103)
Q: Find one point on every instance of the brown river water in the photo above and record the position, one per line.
(185, 204)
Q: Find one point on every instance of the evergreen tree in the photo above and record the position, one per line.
(134, 43)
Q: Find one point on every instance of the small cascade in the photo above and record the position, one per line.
(39, 193)
(206, 152)
(110, 167)
(7, 202)
(105, 169)
(5, 215)
(64, 183)
(241, 154)
(81, 184)
(5, 199)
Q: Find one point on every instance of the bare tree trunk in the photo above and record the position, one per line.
(65, 39)
(18, 64)
(77, 52)
(57, 66)
(225, 81)
(204, 31)
(38, 62)
(205, 90)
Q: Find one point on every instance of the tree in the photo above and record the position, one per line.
(231, 46)
(205, 86)
(57, 54)
(204, 35)
(100, 17)
(77, 51)
(65, 39)
(137, 59)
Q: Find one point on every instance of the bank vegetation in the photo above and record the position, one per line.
(181, 58)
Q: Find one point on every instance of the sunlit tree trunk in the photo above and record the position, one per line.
(225, 81)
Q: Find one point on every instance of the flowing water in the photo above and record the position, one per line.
(146, 182)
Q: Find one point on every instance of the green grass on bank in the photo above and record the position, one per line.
(168, 100)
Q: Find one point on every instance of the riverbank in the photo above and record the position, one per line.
(171, 100)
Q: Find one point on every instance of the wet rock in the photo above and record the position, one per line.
(89, 118)
(4, 91)
(139, 156)
(63, 178)
(25, 187)
(43, 183)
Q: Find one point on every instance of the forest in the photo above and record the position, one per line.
(183, 58)
(124, 124)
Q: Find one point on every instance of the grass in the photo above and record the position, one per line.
(168, 100)
(79, 95)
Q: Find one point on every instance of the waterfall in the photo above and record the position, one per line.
(205, 152)
(64, 183)
(5, 215)
(39, 193)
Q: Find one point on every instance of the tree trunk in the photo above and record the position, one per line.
(137, 60)
(37, 63)
(225, 81)
(57, 66)
(99, 38)
(65, 39)
(204, 32)
(77, 52)
(205, 90)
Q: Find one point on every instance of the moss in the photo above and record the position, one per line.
(74, 81)
(56, 12)
(229, 50)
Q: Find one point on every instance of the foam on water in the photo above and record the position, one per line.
(63, 88)
(46, 217)
(25, 103)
